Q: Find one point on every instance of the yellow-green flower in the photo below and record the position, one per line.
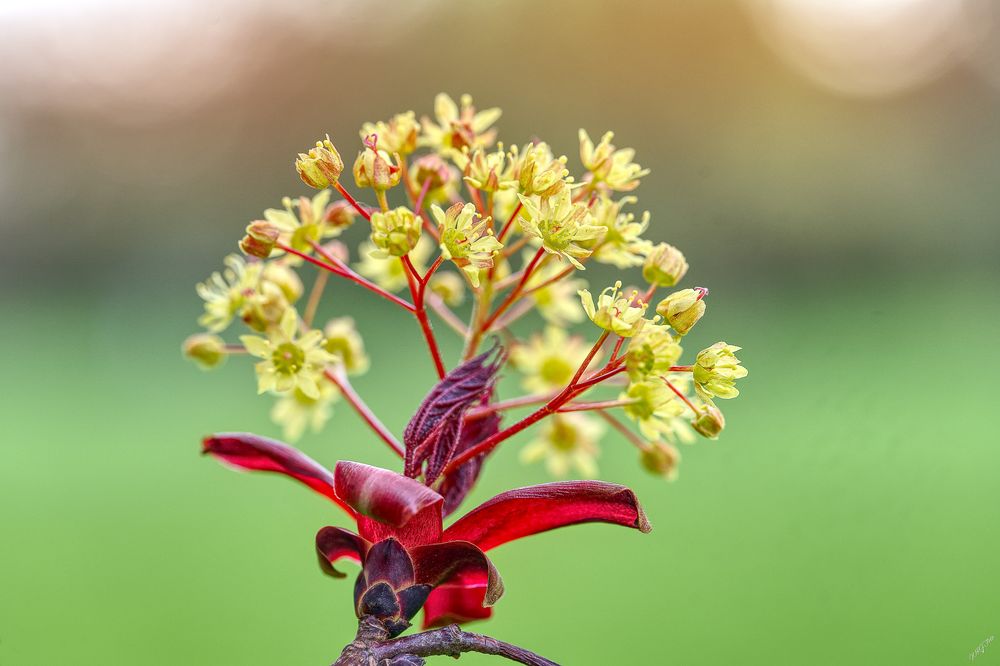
(621, 243)
(615, 312)
(716, 370)
(457, 129)
(290, 362)
(562, 226)
(682, 309)
(296, 412)
(265, 307)
(567, 441)
(346, 345)
(664, 266)
(399, 135)
(556, 301)
(388, 272)
(226, 293)
(205, 349)
(395, 232)
(651, 351)
(321, 166)
(449, 287)
(609, 166)
(486, 170)
(549, 361)
(709, 422)
(654, 409)
(537, 171)
(305, 227)
(466, 239)
(376, 168)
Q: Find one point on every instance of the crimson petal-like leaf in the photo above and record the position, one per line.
(246, 451)
(457, 484)
(334, 543)
(434, 432)
(526, 511)
(436, 563)
(459, 599)
(390, 504)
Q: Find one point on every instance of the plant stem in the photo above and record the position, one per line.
(510, 222)
(602, 404)
(354, 202)
(681, 395)
(633, 438)
(339, 379)
(452, 641)
(418, 285)
(447, 316)
(314, 296)
(515, 292)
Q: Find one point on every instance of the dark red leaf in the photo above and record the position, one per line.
(334, 543)
(458, 483)
(434, 432)
(525, 511)
(246, 451)
(437, 563)
(390, 504)
(460, 599)
(388, 561)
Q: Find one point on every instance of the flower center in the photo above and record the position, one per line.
(288, 358)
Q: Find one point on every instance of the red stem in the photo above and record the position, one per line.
(363, 411)
(515, 292)
(417, 287)
(588, 406)
(354, 202)
(620, 427)
(681, 395)
(347, 273)
(506, 227)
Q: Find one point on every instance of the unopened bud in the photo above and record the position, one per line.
(395, 232)
(375, 168)
(661, 459)
(205, 349)
(321, 166)
(664, 266)
(260, 239)
(682, 309)
(432, 167)
(340, 215)
(709, 422)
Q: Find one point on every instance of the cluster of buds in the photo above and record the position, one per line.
(504, 234)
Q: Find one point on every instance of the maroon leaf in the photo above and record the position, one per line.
(436, 563)
(434, 432)
(526, 511)
(390, 504)
(246, 451)
(334, 543)
(459, 599)
(457, 484)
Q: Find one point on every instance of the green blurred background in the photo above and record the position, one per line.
(830, 170)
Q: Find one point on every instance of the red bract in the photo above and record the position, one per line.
(408, 560)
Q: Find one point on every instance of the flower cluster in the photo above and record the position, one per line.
(461, 231)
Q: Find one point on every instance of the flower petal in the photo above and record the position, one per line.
(334, 543)
(390, 504)
(437, 563)
(526, 511)
(246, 451)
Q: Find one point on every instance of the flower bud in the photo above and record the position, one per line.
(432, 167)
(615, 312)
(321, 166)
(395, 232)
(661, 459)
(374, 167)
(664, 266)
(339, 215)
(682, 309)
(260, 239)
(709, 422)
(205, 349)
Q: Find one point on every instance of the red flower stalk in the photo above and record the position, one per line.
(408, 559)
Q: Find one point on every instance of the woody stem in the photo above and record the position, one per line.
(339, 379)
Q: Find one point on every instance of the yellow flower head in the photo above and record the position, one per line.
(556, 301)
(665, 266)
(716, 370)
(538, 172)
(486, 171)
(321, 166)
(225, 294)
(466, 239)
(608, 166)
(376, 168)
(548, 361)
(654, 409)
(567, 441)
(295, 411)
(395, 232)
(346, 345)
(562, 226)
(457, 129)
(290, 362)
(387, 271)
(615, 312)
(682, 309)
(205, 349)
(621, 243)
(651, 352)
(302, 222)
(399, 135)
